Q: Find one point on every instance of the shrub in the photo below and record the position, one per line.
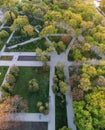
(10, 79)
(7, 88)
(55, 88)
(5, 95)
(39, 104)
(33, 85)
(14, 70)
(43, 107)
(63, 87)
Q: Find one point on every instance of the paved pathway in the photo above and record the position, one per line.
(21, 63)
(2, 26)
(55, 59)
(51, 124)
(1, 15)
(70, 112)
(62, 58)
(23, 43)
(96, 3)
(29, 117)
(70, 46)
(18, 53)
(10, 36)
(20, 1)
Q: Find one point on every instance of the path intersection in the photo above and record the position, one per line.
(54, 60)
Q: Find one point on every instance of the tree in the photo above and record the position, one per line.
(29, 30)
(10, 79)
(65, 128)
(90, 113)
(102, 62)
(38, 51)
(74, 80)
(63, 87)
(18, 103)
(95, 105)
(85, 84)
(26, 7)
(9, 16)
(7, 88)
(60, 46)
(55, 79)
(39, 9)
(50, 29)
(62, 3)
(3, 34)
(53, 16)
(14, 70)
(42, 55)
(11, 105)
(39, 104)
(88, 13)
(43, 107)
(77, 94)
(33, 85)
(77, 54)
(102, 48)
(86, 47)
(60, 73)
(100, 81)
(5, 110)
(83, 118)
(90, 70)
(20, 22)
(55, 88)
(102, 5)
(66, 39)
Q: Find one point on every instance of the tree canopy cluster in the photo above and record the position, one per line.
(88, 91)
(90, 113)
(62, 20)
(76, 18)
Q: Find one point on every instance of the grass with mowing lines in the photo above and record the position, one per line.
(61, 114)
(21, 87)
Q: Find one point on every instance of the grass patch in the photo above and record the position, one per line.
(21, 87)
(30, 47)
(61, 115)
(6, 57)
(3, 70)
(1, 44)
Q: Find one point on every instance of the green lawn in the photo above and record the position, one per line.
(1, 44)
(21, 87)
(3, 70)
(61, 115)
(30, 47)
